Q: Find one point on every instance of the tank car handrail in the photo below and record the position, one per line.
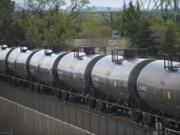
(88, 50)
(115, 56)
(169, 60)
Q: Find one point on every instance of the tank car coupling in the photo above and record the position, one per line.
(171, 61)
(48, 52)
(3, 47)
(23, 49)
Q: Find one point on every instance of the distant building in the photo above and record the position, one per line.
(116, 34)
(110, 44)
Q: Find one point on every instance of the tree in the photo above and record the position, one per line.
(124, 6)
(54, 28)
(60, 29)
(92, 27)
(131, 21)
(37, 7)
(165, 34)
(76, 6)
(56, 4)
(6, 18)
(145, 40)
(170, 39)
(10, 28)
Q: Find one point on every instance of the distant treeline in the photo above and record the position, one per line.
(45, 23)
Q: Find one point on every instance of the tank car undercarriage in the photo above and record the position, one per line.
(155, 120)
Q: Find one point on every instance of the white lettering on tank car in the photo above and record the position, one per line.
(60, 72)
(95, 79)
(142, 90)
(114, 84)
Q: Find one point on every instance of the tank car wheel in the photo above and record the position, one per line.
(3, 78)
(101, 106)
(15, 82)
(137, 116)
(92, 103)
(58, 94)
(121, 111)
(148, 120)
(10, 80)
(36, 88)
(107, 108)
(83, 99)
(40, 89)
(126, 112)
(65, 96)
(113, 108)
(32, 87)
(52, 91)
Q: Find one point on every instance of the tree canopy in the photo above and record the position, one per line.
(48, 23)
(149, 33)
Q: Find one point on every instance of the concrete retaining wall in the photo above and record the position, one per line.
(67, 112)
(26, 121)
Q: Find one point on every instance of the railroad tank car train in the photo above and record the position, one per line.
(110, 82)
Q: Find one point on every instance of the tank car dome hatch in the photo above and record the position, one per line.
(3, 47)
(159, 88)
(48, 52)
(23, 49)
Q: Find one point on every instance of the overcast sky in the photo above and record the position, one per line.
(99, 3)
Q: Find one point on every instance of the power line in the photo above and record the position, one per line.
(169, 9)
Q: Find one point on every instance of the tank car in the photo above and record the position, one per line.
(4, 52)
(74, 71)
(159, 88)
(115, 80)
(42, 66)
(17, 61)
